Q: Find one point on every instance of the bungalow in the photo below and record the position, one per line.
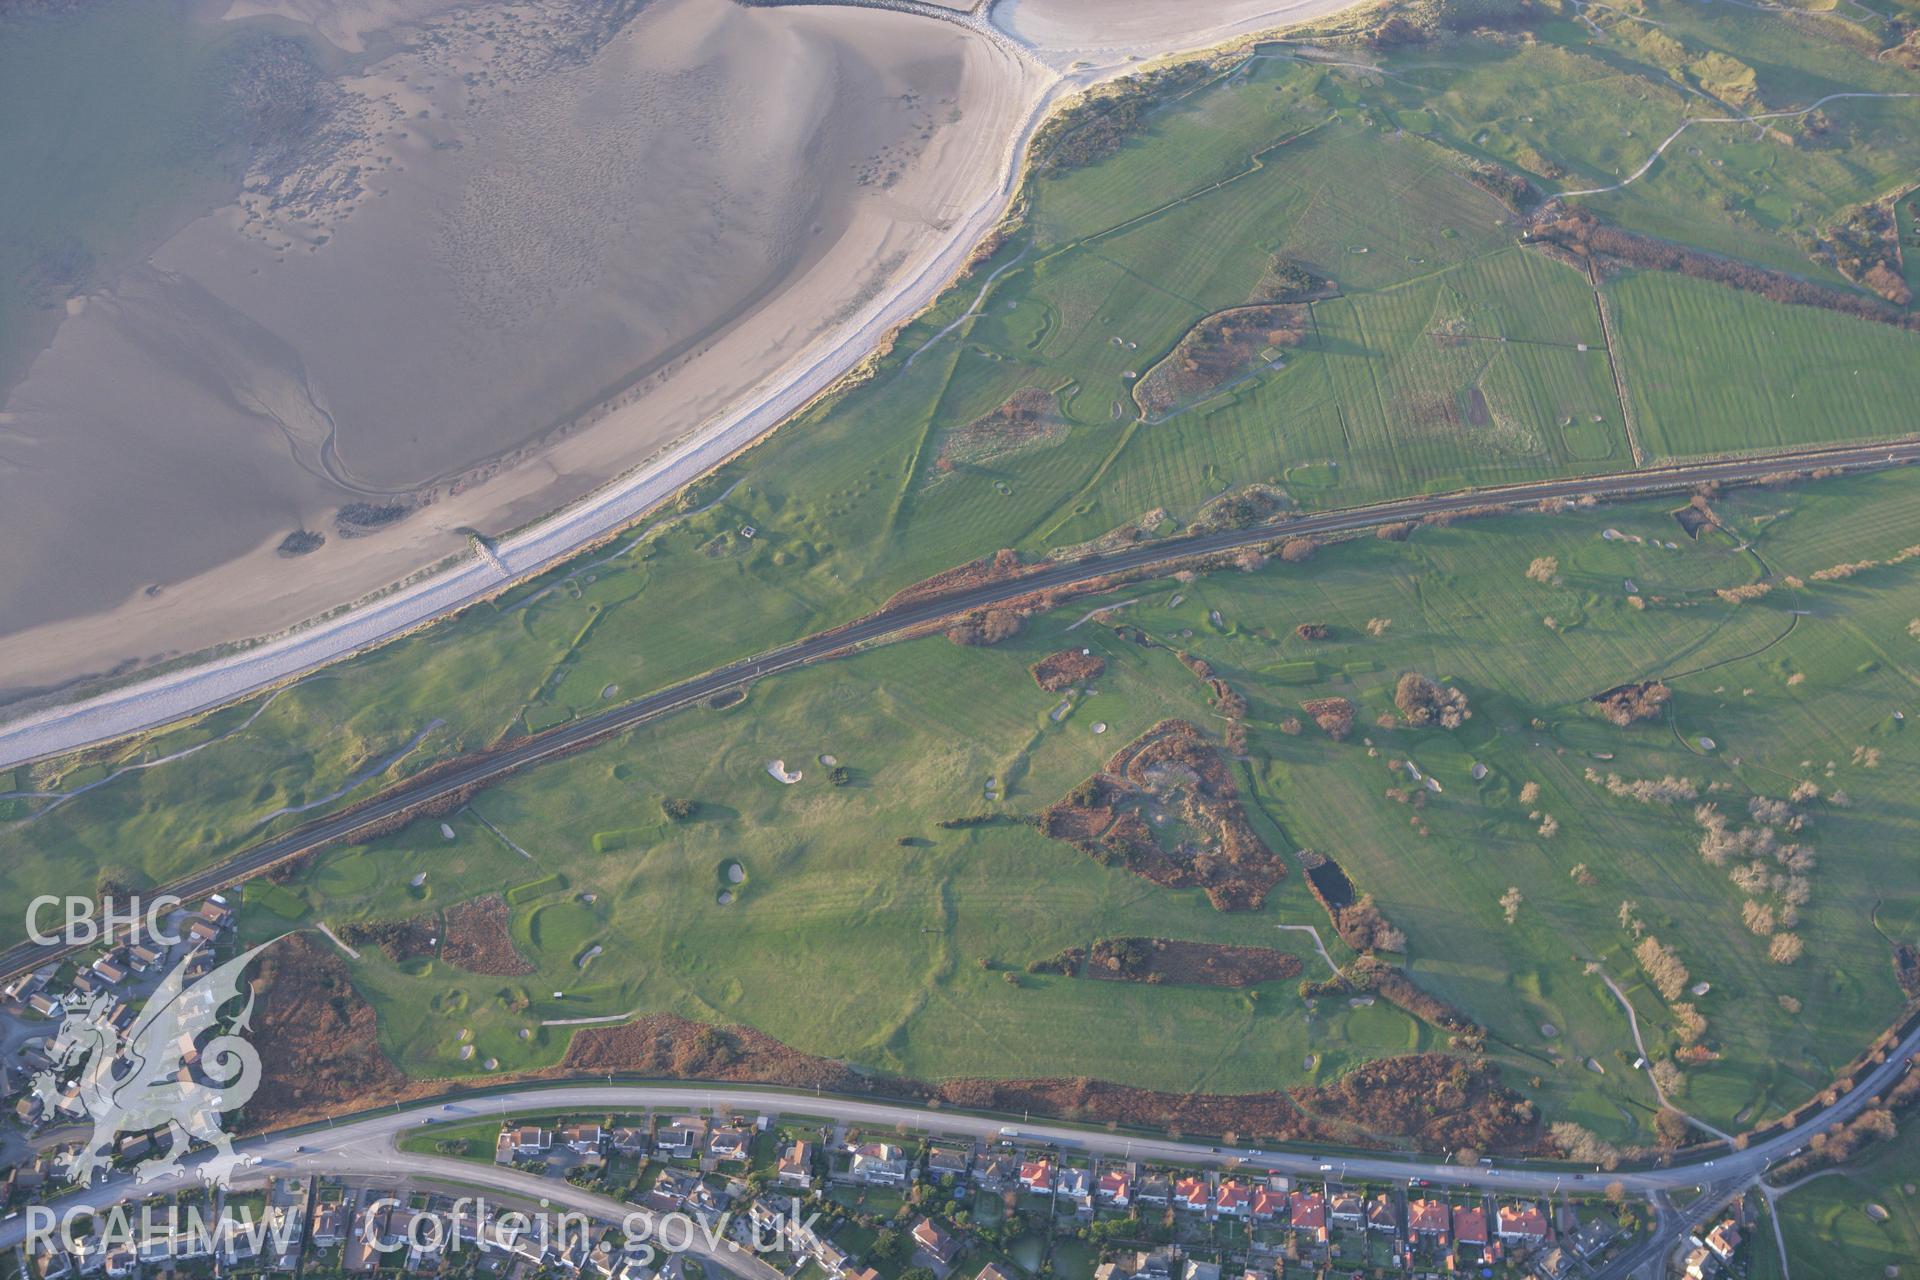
(1116, 1188)
(628, 1140)
(1470, 1224)
(85, 984)
(729, 1144)
(706, 1204)
(47, 1006)
(1307, 1211)
(110, 973)
(1154, 1189)
(29, 1109)
(1075, 1184)
(216, 912)
(26, 984)
(202, 932)
(1347, 1211)
(796, 1166)
(1190, 1193)
(1383, 1214)
(1233, 1199)
(1522, 1222)
(1427, 1218)
(583, 1139)
(937, 1243)
(1723, 1240)
(1037, 1176)
(143, 956)
(1267, 1203)
(949, 1161)
(880, 1164)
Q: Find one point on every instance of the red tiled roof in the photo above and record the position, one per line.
(1470, 1225)
(1115, 1183)
(1309, 1210)
(1523, 1220)
(1191, 1190)
(1427, 1215)
(1266, 1202)
(1037, 1173)
(1233, 1194)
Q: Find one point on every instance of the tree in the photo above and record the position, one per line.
(678, 808)
(1296, 550)
(1543, 569)
(1377, 627)
(1510, 902)
(840, 775)
(1663, 968)
(1424, 702)
(1785, 948)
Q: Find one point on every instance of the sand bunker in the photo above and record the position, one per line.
(472, 260)
(778, 769)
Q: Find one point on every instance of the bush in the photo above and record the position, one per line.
(677, 808)
(840, 776)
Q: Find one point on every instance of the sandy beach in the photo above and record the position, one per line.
(512, 308)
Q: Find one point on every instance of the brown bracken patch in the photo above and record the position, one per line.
(400, 939)
(1061, 671)
(1182, 963)
(1170, 772)
(318, 1040)
(476, 939)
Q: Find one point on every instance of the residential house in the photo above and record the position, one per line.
(1196, 1270)
(1116, 1187)
(1383, 1214)
(329, 1224)
(1190, 1193)
(1723, 1240)
(729, 1144)
(628, 1140)
(122, 1261)
(1307, 1211)
(1233, 1199)
(707, 1204)
(1037, 1176)
(1554, 1264)
(202, 932)
(681, 1137)
(864, 1273)
(1699, 1264)
(47, 1006)
(369, 1232)
(1470, 1225)
(527, 1142)
(1520, 1223)
(991, 1272)
(1154, 1188)
(24, 986)
(30, 1109)
(880, 1164)
(796, 1166)
(1347, 1210)
(1593, 1236)
(948, 1160)
(1428, 1218)
(997, 1171)
(142, 956)
(936, 1242)
(1075, 1184)
(1266, 1203)
(216, 912)
(584, 1139)
(109, 972)
(831, 1256)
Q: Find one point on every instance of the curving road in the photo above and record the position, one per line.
(365, 1146)
(881, 626)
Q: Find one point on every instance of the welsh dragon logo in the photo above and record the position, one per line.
(164, 1075)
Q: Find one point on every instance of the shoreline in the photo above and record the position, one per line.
(149, 697)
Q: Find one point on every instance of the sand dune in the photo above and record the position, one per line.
(1066, 31)
(512, 264)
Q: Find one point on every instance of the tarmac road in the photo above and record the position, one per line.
(575, 734)
(365, 1146)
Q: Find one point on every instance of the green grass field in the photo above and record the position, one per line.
(916, 936)
(1862, 1223)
